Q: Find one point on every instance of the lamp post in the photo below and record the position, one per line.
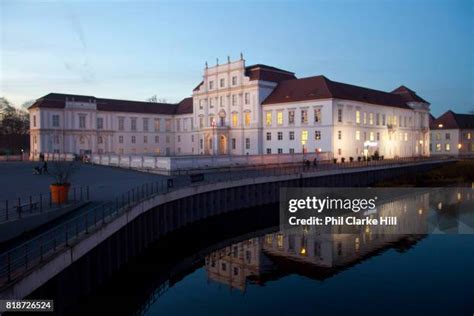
(303, 142)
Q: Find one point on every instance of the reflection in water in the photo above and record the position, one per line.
(278, 271)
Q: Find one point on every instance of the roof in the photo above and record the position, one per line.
(58, 101)
(408, 95)
(268, 73)
(320, 87)
(451, 120)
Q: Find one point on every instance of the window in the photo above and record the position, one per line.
(339, 115)
(133, 123)
(383, 119)
(304, 116)
(145, 124)
(269, 150)
(167, 139)
(200, 105)
(82, 121)
(291, 117)
(247, 119)
(438, 136)
(121, 139)
(56, 139)
(179, 138)
(222, 120)
(168, 125)
(234, 99)
(291, 136)
(377, 119)
(247, 98)
(371, 118)
(157, 124)
(447, 136)
(234, 80)
(447, 147)
(145, 139)
(317, 135)
(339, 151)
(121, 123)
(34, 120)
(233, 143)
(134, 140)
(222, 83)
(378, 136)
(100, 123)
(394, 120)
(371, 136)
(269, 136)
(235, 119)
(280, 135)
(212, 121)
(468, 135)
(247, 143)
(157, 139)
(211, 85)
(280, 150)
(268, 118)
(291, 151)
(438, 147)
(357, 135)
(304, 135)
(221, 101)
(211, 103)
(406, 137)
(317, 116)
(100, 140)
(358, 117)
(55, 120)
(280, 117)
(339, 135)
(365, 117)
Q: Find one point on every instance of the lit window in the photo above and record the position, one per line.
(447, 147)
(371, 136)
(280, 117)
(234, 119)
(357, 135)
(438, 147)
(304, 135)
(406, 136)
(358, 117)
(365, 117)
(268, 118)
(247, 118)
(371, 118)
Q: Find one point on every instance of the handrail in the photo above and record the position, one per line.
(20, 259)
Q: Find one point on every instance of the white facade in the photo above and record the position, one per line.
(228, 116)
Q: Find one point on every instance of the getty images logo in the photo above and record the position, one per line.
(321, 204)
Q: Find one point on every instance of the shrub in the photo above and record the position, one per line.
(343, 159)
(351, 159)
(359, 158)
(335, 160)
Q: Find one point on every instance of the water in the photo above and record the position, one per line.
(242, 263)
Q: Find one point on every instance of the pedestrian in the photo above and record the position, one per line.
(45, 167)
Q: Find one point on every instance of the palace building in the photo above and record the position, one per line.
(452, 134)
(239, 110)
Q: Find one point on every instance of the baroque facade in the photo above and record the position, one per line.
(239, 110)
(452, 134)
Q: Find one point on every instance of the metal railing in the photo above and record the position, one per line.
(15, 209)
(17, 261)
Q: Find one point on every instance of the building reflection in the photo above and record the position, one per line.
(320, 254)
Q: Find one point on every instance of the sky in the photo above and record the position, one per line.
(136, 49)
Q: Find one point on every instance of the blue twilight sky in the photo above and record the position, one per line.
(135, 49)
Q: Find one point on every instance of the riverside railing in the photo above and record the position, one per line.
(19, 260)
(15, 209)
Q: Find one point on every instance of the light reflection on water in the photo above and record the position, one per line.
(304, 271)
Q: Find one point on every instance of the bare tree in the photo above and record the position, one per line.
(154, 99)
(14, 127)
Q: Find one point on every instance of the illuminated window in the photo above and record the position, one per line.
(247, 118)
(268, 118)
(395, 120)
(447, 147)
(371, 118)
(357, 135)
(365, 117)
(279, 239)
(280, 117)
(468, 136)
(406, 136)
(235, 117)
(304, 135)
(371, 136)
(438, 136)
(438, 147)
(358, 117)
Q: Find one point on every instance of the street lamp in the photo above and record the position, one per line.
(303, 142)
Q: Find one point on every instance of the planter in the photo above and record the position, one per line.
(59, 193)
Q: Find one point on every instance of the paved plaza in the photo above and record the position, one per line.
(105, 183)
